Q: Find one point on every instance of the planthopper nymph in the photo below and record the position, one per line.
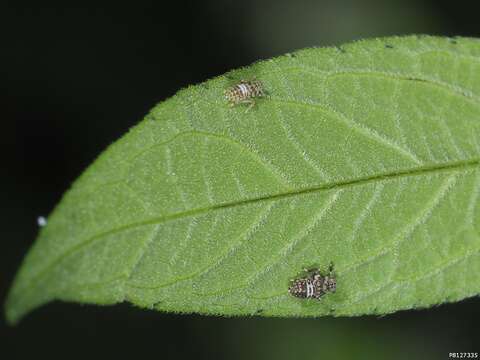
(314, 284)
(245, 92)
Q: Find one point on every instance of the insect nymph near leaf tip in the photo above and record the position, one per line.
(314, 285)
(245, 92)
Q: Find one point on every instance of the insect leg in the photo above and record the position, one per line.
(311, 271)
(251, 103)
(330, 268)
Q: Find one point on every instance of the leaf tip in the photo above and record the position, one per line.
(17, 305)
(12, 316)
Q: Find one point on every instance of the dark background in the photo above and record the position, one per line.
(73, 79)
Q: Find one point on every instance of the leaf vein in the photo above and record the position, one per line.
(353, 125)
(455, 167)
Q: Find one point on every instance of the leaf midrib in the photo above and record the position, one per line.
(425, 170)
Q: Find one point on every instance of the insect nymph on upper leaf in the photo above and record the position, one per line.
(314, 285)
(245, 92)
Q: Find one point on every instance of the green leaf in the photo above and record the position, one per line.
(366, 156)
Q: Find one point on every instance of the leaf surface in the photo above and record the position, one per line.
(365, 155)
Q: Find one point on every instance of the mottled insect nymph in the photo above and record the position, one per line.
(314, 285)
(245, 92)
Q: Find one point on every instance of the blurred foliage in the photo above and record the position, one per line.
(274, 27)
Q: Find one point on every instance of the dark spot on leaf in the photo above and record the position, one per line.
(453, 41)
(154, 305)
(415, 79)
(388, 46)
